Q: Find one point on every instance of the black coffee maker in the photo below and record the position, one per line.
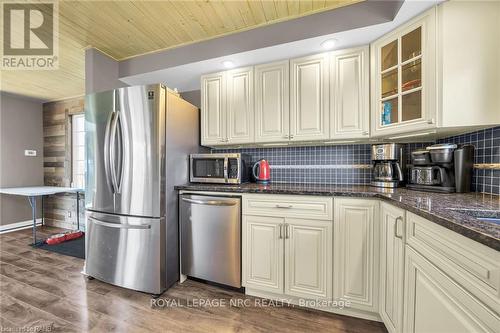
(444, 168)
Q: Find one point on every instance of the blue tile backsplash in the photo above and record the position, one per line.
(350, 164)
(487, 151)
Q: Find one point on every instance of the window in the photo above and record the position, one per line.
(78, 150)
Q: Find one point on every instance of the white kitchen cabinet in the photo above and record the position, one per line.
(474, 266)
(389, 264)
(356, 252)
(308, 258)
(433, 302)
(227, 107)
(213, 109)
(309, 98)
(272, 100)
(404, 78)
(240, 105)
(349, 94)
(427, 82)
(392, 249)
(285, 251)
(263, 253)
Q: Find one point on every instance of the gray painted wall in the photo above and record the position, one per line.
(101, 72)
(21, 127)
(193, 97)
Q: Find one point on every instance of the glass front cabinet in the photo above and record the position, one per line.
(403, 78)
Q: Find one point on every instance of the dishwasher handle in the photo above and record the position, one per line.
(211, 202)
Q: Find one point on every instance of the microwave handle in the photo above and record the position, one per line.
(226, 162)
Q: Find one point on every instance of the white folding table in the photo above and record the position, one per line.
(32, 192)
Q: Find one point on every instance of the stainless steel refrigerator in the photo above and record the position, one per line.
(138, 140)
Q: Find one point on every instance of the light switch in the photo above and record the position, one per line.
(30, 153)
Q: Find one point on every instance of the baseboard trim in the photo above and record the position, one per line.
(18, 226)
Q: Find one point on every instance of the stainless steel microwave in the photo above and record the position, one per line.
(219, 168)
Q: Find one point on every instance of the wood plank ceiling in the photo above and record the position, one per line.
(124, 29)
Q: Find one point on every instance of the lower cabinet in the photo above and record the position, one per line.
(308, 258)
(392, 250)
(288, 256)
(263, 250)
(435, 303)
(386, 262)
(356, 252)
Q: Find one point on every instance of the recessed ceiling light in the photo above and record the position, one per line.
(329, 44)
(228, 64)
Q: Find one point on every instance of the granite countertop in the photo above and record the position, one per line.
(454, 211)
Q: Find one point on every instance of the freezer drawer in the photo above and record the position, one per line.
(211, 238)
(126, 251)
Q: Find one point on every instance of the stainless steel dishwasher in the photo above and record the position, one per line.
(211, 238)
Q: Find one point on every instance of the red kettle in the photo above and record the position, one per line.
(262, 171)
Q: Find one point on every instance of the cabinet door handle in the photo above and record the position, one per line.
(286, 136)
(430, 121)
(281, 231)
(365, 133)
(396, 224)
(284, 206)
(287, 231)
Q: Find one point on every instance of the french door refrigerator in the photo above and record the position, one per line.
(138, 140)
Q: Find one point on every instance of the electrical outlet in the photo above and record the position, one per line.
(30, 152)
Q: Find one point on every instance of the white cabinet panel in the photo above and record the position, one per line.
(356, 252)
(213, 109)
(263, 253)
(349, 96)
(309, 106)
(308, 249)
(435, 303)
(272, 93)
(240, 105)
(308, 207)
(474, 266)
(392, 248)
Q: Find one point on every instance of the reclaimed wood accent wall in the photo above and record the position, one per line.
(60, 210)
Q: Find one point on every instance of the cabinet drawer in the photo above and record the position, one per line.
(474, 266)
(318, 208)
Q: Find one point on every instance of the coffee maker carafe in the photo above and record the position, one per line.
(387, 165)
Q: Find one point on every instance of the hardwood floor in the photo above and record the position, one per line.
(46, 290)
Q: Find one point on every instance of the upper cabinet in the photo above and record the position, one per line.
(240, 104)
(404, 78)
(213, 109)
(272, 100)
(309, 105)
(227, 103)
(349, 94)
(419, 79)
(423, 79)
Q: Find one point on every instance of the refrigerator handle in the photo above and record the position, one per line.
(112, 152)
(107, 155)
(119, 225)
(121, 141)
